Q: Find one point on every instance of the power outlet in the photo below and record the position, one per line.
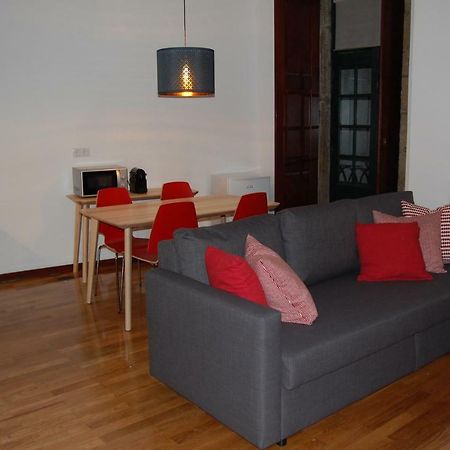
(81, 152)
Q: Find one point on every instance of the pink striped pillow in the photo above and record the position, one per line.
(284, 290)
(412, 210)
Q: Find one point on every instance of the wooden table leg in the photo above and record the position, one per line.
(93, 239)
(76, 238)
(85, 227)
(128, 267)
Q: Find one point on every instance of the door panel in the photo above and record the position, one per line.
(300, 173)
(296, 101)
(366, 92)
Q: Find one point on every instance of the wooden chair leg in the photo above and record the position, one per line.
(140, 273)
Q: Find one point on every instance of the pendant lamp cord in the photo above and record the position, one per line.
(184, 18)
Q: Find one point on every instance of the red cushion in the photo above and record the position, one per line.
(390, 251)
(429, 237)
(233, 274)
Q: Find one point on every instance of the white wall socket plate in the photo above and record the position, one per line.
(81, 152)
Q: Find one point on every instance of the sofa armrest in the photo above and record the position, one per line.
(219, 351)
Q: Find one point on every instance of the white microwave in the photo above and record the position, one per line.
(88, 180)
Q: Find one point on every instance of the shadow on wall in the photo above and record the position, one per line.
(14, 254)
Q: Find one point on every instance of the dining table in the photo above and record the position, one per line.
(81, 227)
(139, 216)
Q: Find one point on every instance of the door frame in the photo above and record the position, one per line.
(401, 10)
(364, 57)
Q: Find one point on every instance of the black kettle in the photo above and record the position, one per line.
(138, 181)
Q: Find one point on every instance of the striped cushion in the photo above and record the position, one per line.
(284, 290)
(411, 210)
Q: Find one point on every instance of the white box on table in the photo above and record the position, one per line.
(239, 183)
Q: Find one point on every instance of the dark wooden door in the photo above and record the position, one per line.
(296, 101)
(357, 169)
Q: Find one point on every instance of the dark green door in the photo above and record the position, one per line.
(353, 168)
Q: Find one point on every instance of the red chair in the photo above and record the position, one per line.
(176, 189)
(113, 236)
(251, 205)
(169, 218)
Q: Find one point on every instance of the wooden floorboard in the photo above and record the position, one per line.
(71, 378)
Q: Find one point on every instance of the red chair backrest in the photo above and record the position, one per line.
(251, 205)
(176, 189)
(169, 218)
(110, 197)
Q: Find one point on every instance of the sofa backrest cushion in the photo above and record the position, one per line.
(389, 203)
(167, 256)
(319, 240)
(191, 244)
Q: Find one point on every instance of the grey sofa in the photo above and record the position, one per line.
(267, 380)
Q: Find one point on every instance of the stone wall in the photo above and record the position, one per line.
(404, 98)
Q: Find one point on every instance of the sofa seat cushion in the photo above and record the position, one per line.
(358, 319)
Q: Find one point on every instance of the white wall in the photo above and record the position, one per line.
(428, 153)
(83, 74)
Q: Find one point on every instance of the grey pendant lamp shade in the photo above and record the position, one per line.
(185, 71)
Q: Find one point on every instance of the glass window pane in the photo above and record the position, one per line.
(346, 111)
(345, 171)
(362, 172)
(363, 112)
(362, 142)
(347, 81)
(345, 142)
(364, 81)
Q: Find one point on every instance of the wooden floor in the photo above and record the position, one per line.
(71, 378)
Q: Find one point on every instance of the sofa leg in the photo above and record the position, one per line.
(282, 443)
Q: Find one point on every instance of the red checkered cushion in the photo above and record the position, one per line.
(411, 210)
